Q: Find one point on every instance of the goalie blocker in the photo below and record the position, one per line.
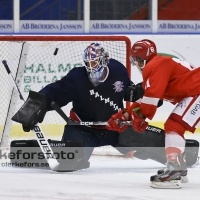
(32, 111)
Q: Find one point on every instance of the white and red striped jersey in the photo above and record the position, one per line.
(169, 79)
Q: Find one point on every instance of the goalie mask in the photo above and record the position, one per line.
(142, 52)
(96, 60)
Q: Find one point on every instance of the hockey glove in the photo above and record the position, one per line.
(134, 92)
(138, 124)
(113, 124)
(32, 111)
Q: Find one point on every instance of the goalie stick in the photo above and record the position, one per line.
(55, 106)
(41, 139)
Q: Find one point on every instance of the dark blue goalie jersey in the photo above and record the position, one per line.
(90, 103)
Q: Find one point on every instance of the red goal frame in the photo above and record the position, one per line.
(75, 38)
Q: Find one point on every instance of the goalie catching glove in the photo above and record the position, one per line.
(133, 92)
(32, 111)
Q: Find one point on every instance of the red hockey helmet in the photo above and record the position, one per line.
(142, 51)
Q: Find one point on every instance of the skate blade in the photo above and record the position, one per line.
(173, 184)
(184, 179)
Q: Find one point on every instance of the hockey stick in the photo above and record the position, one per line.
(41, 139)
(55, 106)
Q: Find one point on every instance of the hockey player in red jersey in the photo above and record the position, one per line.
(173, 80)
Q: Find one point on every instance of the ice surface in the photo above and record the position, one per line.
(108, 178)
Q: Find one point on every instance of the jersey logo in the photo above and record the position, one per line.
(118, 86)
(182, 104)
(106, 100)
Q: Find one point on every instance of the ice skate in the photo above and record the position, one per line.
(170, 178)
(184, 178)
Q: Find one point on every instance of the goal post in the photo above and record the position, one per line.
(36, 61)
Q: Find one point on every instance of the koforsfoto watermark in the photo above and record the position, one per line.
(19, 154)
(24, 164)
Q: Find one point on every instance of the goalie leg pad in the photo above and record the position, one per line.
(70, 155)
(151, 144)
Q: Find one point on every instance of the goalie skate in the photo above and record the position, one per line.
(170, 178)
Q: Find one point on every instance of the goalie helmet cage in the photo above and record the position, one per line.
(36, 61)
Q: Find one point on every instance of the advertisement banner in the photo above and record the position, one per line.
(120, 26)
(51, 26)
(6, 26)
(181, 26)
(101, 26)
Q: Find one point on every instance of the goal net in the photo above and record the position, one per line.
(36, 61)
